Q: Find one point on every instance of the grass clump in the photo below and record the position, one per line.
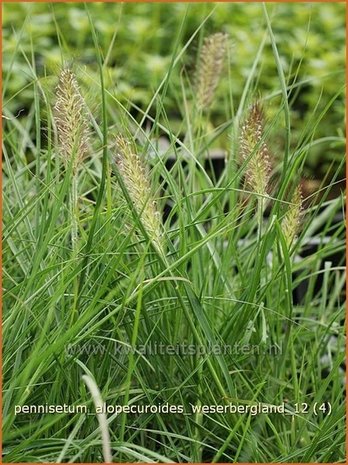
(141, 283)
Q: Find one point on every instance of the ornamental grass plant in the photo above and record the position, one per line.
(181, 267)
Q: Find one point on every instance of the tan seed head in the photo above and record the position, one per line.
(210, 67)
(291, 221)
(70, 119)
(254, 150)
(136, 180)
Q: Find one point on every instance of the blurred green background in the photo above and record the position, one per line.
(138, 41)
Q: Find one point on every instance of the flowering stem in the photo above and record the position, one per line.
(74, 236)
(74, 214)
(260, 207)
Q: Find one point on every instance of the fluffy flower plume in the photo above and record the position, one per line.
(210, 66)
(137, 182)
(69, 113)
(255, 151)
(291, 221)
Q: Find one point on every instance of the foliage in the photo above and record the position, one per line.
(137, 43)
(260, 273)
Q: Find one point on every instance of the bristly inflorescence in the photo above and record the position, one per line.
(210, 67)
(291, 221)
(254, 150)
(136, 180)
(70, 118)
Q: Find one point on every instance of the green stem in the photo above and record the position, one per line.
(74, 215)
(131, 364)
(260, 208)
(74, 238)
(198, 416)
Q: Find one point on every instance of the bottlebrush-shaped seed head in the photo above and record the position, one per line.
(70, 119)
(291, 221)
(254, 150)
(136, 180)
(210, 67)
